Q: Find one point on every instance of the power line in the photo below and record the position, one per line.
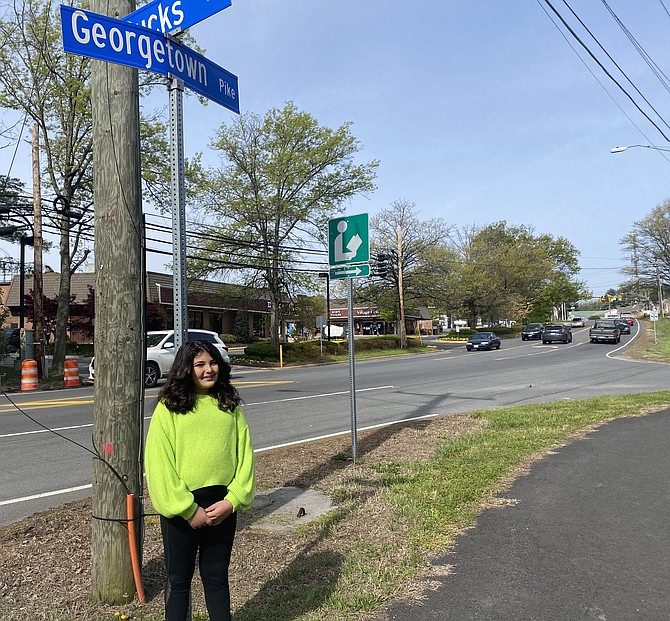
(604, 69)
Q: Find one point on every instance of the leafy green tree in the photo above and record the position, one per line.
(52, 90)
(508, 271)
(410, 244)
(283, 176)
(648, 245)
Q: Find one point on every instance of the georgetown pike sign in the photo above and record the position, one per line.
(105, 38)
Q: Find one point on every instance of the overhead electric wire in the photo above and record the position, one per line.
(604, 69)
(623, 73)
(656, 70)
(595, 77)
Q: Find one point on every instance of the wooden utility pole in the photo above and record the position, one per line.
(119, 329)
(401, 296)
(38, 303)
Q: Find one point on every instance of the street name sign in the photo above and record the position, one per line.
(105, 38)
(348, 240)
(176, 15)
(349, 271)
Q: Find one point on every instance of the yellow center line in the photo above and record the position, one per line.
(64, 402)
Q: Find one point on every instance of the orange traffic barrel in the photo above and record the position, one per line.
(71, 373)
(29, 375)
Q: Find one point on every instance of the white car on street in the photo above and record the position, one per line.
(161, 352)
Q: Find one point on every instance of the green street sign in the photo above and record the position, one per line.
(348, 240)
(349, 271)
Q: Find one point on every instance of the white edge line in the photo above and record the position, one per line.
(268, 448)
(57, 492)
(342, 433)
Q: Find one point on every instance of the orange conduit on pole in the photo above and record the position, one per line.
(132, 541)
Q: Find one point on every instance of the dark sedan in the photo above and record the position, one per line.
(532, 331)
(483, 340)
(557, 332)
(623, 325)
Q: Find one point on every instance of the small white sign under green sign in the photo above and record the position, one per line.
(349, 271)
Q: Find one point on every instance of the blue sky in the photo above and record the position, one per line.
(477, 111)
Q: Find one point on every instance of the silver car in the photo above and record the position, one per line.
(161, 351)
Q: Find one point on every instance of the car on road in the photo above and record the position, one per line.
(628, 317)
(161, 352)
(483, 340)
(532, 331)
(557, 332)
(605, 330)
(577, 322)
(623, 325)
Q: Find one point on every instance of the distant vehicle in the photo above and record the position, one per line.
(628, 317)
(532, 331)
(612, 313)
(623, 325)
(161, 352)
(578, 322)
(604, 330)
(483, 340)
(557, 332)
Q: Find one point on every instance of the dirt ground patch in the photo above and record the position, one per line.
(45, 560)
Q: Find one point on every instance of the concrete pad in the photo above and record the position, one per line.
(282, 509)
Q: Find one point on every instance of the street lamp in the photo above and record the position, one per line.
(642, 146)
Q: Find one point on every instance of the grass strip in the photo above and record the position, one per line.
(430, 502)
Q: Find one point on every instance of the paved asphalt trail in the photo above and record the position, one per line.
(587, 538)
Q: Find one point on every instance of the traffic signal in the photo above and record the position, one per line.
(381, 265)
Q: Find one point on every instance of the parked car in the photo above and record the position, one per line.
(532, 331)
(623, 325)
(483, 340)
(161, 352)
(12, 339)
(557, 332)
(578, 322)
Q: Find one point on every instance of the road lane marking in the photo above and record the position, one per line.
(13, 501)
(57, 492)
(319, 396)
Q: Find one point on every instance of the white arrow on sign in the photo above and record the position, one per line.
(350, 271)
(173, 16)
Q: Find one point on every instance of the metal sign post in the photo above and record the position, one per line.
(348, 256)
(179, 295)
(352, 373)
(142, 40)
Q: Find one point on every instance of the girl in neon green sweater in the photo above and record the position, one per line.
(200, 472)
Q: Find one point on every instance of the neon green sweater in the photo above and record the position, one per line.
(203, 447)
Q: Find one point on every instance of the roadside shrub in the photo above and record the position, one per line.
(500, 330)
(311, 350)
(463, 333)
(228, 339)
(389, 341)
(261, 351)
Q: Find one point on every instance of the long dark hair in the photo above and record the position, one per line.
(178, 393)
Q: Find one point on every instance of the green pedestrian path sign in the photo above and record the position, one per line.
(348, 240)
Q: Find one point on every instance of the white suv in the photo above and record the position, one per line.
(160, 353)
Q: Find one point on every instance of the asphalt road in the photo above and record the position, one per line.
(39, 469)
(583, 537)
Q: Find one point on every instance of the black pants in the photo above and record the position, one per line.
(214, 544)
